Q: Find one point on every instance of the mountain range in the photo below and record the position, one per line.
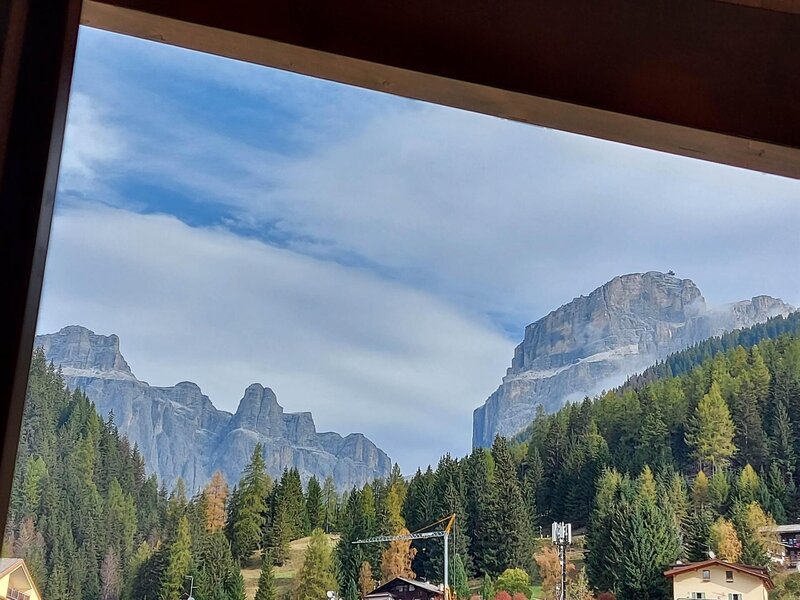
(595, 342)
(181, 434)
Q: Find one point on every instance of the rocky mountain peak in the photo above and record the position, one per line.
(596, 341)
(259, 411)
(180, 433)
(77, 349)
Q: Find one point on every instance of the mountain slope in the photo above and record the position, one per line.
(596, 341)
(180, 433)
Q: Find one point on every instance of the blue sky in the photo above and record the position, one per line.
(370, 258)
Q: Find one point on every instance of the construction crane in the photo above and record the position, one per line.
(421, 535)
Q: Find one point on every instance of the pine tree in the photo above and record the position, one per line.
(217, 567)
(248, 513)
(315, 508)
(719, 491)
(460, 584)
(179, 561)
(237, 591)
(600, 560)
(509, 528)
(350, 591)
(316, 576)
(747, 408)
(279, 534)
(531, 481)
(711, 430)
(654, 443)
(487, 588)
(348, 555)
(698, 535)
(266, 580)
(578, 587)
(646, 542)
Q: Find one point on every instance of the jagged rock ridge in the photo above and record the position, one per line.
(180, 433)
(595, 342)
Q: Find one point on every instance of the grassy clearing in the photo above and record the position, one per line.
(285, 574)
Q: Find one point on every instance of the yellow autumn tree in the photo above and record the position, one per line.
(396, 559)
(710, 430)
(700, 492)
(724, 540)
(366, 582)
(216, 496)
(550, 570)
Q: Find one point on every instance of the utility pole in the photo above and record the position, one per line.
(562, 537)
(191, 586)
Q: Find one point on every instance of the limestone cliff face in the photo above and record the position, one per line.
(180, 433)
(596, 341)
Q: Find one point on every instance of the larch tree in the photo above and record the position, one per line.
(110, 576)
(578, 587)
(724, 541)
(747, 484)
(700, 490)
(216, 495)
(396, 559)
(366, 582)
(711, 430)
(330, 503)
(549, 565)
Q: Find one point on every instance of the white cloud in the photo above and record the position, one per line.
(91, 142)
(361, 353)
(506, 219)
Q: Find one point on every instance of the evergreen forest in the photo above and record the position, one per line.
(698, 453)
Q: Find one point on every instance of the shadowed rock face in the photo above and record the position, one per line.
(181, 434)
(595, 342)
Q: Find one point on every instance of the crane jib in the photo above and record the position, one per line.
(406, 536)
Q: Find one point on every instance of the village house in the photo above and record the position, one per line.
(789, 536)
(16, 582)
(401, 588)
(717, 579)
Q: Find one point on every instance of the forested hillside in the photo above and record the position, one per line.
(655, 472)
(685, 360)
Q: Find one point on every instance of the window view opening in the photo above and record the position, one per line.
(301, 340)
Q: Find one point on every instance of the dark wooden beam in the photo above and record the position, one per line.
(38, 47)
(703, 78)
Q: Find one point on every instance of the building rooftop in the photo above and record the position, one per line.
(759, 572)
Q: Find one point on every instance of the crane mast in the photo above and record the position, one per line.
(444, 534)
